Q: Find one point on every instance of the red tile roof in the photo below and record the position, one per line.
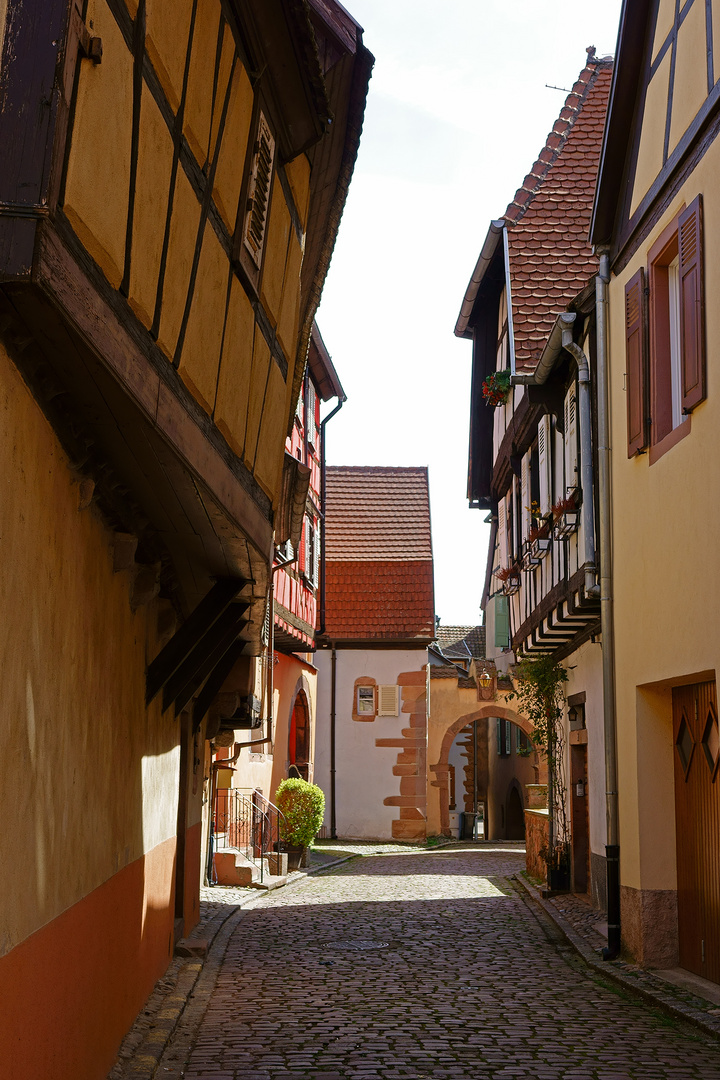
(377, 513)
(549, 217)
(379, 568)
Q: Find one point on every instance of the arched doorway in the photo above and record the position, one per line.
(514, 815)
(299, 739)
(441, 769)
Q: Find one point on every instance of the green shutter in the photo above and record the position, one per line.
(502, 622)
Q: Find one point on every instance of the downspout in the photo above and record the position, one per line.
(323, 470)
(612, 849)
(333, 684)
(586, 461)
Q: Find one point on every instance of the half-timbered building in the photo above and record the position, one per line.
(529, 311)
(656, 227)
(172, 177)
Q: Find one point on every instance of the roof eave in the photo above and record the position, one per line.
(627, 72)
(322, 368)
(462, 326)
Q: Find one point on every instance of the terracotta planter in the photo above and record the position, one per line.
(296, 856)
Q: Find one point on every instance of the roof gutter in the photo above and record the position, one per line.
(496, 230)
(553, 347)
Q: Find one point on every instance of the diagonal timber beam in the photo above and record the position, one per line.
(208, 611)
(198, 664)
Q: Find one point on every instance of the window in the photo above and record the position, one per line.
(504, 737)
(257, 190)
(312, 552)
(502, 622)
(665, 376)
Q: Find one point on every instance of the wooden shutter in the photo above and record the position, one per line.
(635, 364)
(525, 494)
(316, 554)
(571, 445)
(502, 622)
(502, 531)
(388, 700)
(259, 191)
(545, 465)
(692, 305)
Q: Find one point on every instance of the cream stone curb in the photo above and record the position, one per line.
(637, 981)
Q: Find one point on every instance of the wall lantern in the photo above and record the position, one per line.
(572, 714)
(486, 683)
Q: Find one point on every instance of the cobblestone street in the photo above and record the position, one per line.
(419, 965)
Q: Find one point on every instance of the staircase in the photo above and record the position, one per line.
(245, 834)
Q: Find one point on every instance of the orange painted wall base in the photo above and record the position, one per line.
(70, 992)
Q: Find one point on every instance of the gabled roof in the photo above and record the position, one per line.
(549, 255)
(461, 642)
(376, 512)
(379, 566)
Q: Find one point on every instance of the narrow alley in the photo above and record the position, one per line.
(429, 965)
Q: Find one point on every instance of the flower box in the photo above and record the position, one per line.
(566, 524)
(540, 547)
(511, 586)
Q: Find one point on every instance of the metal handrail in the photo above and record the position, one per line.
(251, 825)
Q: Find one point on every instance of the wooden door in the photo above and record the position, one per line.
(579, 818)
(697, 818)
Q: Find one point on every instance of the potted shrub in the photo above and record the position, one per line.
(496, 388)
(302, 805)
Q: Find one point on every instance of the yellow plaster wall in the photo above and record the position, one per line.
(666, 520)
(166, 40)
(650, 153)
(298, 174)
(690, 85)
(155, 152)
(89, 776)
(716, 34)
(201, 349)
(289, 314)
(235, 368)
(229, 171)
(276, 253)
(665, 23)
(98, 172)
(258, 382)
(181, 250)
(198, 103)
(271, 443)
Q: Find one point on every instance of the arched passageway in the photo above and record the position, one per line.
(441, 768)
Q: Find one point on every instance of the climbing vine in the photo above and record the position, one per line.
(538, 687)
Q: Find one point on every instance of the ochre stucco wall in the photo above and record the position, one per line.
(666, 520)
(89, 790)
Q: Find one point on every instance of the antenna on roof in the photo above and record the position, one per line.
(550, 87)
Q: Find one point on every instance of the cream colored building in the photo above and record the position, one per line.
(657, 216)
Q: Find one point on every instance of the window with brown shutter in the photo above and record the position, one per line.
(676, 368)
(692, 305)
(258, 200)
(635, 381)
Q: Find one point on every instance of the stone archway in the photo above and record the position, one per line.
(442, 768)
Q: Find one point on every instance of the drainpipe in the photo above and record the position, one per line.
(612, 849)
(270, 680)
(586, 461)
(333, 684)
(323, 470)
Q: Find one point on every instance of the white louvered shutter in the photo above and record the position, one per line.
(545, 465)
(502, 531)
(388, 700)
(514, 539)
(316, 554)
(525, 491)
(571, 448)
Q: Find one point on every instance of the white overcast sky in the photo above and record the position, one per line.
(457, 114)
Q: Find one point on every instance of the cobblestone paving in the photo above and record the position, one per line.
(419, 965)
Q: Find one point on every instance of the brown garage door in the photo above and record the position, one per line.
(697, 810)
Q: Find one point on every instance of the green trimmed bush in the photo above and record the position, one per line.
(303, 805)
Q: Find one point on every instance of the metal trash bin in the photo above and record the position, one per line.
(468, 825)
